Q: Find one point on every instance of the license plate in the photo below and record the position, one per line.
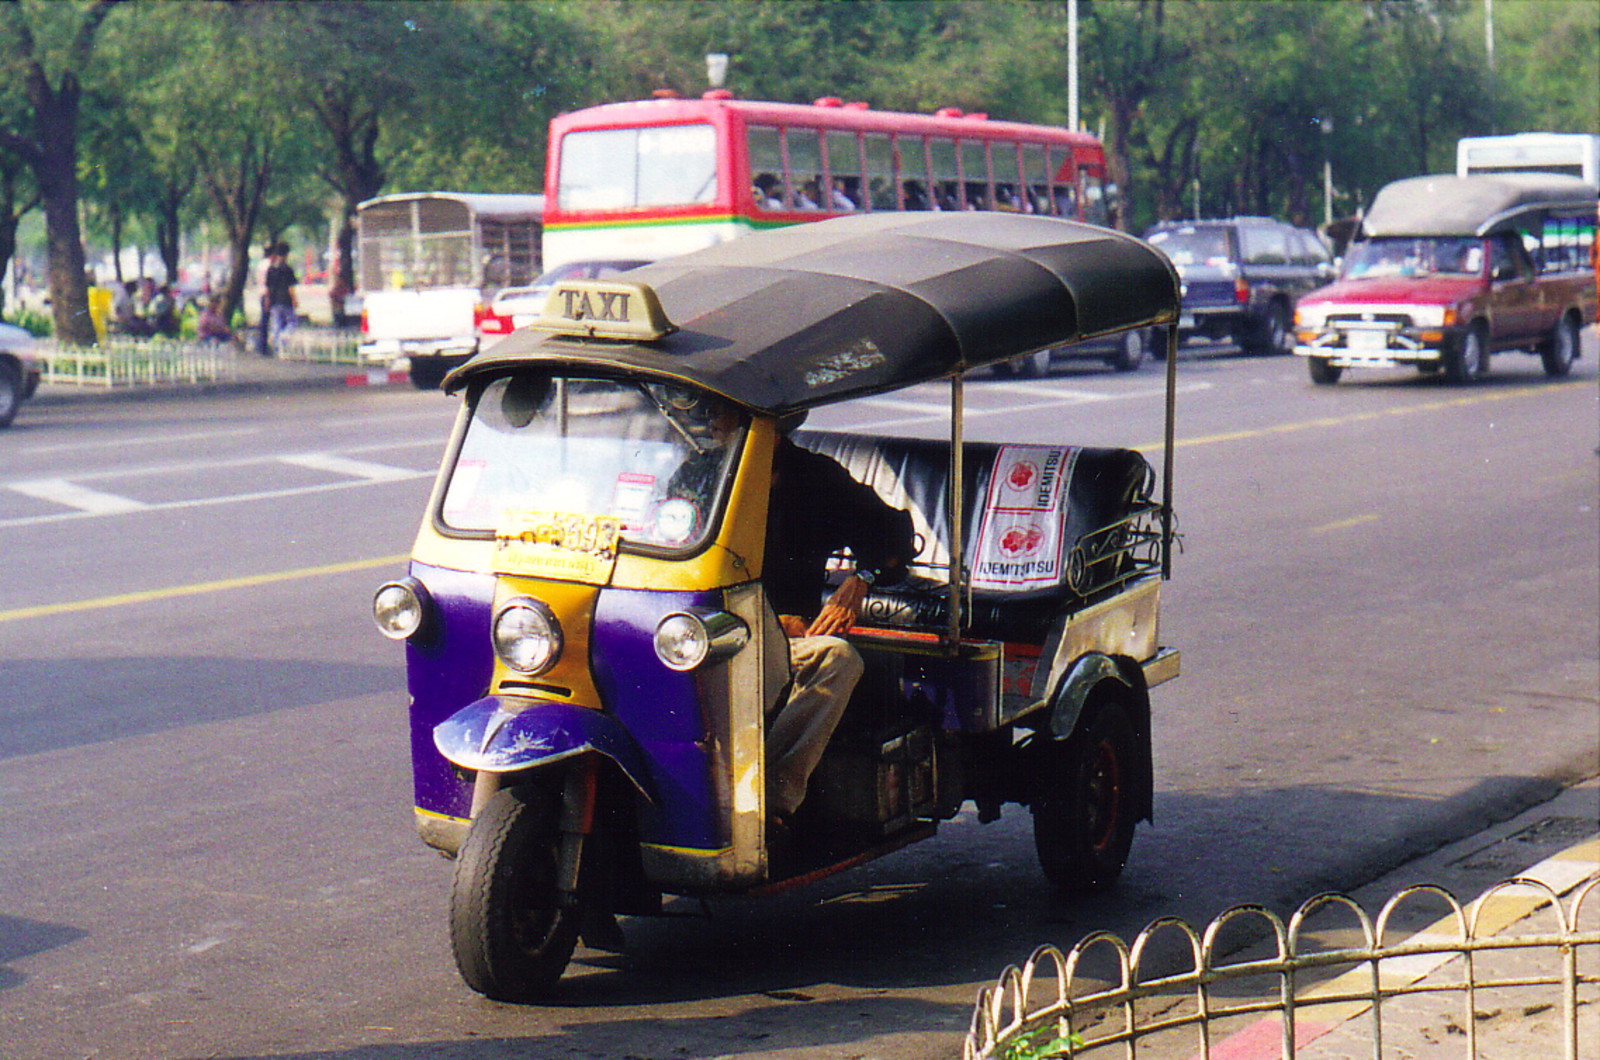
(1366, 341)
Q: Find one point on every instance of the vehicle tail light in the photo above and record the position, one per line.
(1241, 290)
(366, 327)
(488, 322)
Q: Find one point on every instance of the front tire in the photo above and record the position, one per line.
(1561, 348)
(1467, 359)
(511, 929)
(1085, 803)
(1034, 365)
(1323, 371)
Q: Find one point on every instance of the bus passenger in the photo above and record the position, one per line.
(841, 199)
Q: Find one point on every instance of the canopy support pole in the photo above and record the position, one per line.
(1166, 450)
(956, 505)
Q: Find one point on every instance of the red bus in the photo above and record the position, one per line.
(649, 179)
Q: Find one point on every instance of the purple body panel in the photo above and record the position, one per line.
(447, 667)
(450, 666)
(661, 708)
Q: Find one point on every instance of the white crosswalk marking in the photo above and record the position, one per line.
(72, 495)
(342, 465)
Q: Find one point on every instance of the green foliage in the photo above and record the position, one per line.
(1045, 1044)
(35, 323)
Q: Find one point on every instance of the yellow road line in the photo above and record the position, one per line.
(197, 589)
(1343, 524)
(1362, 417)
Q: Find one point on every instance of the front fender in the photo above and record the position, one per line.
(503, 734)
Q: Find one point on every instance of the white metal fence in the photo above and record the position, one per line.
(1515, 974)
(126, 361)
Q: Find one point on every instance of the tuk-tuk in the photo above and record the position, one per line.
(591, 651)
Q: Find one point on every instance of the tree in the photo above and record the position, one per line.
(50, 49)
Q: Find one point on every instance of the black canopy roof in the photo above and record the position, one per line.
(817, 313)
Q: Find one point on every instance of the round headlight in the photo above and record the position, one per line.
(682, 641)
(398, 608)
(686, 639)
(527, 636)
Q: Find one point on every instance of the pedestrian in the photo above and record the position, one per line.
(278, 307)
(162, 313)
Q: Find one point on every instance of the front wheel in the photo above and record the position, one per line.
(1467, 359)
(1085, 801)
(511, 928)
(1323, 371)
(1561, 348)
(1034, 365)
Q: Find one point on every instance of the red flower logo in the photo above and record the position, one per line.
(1022, 475)
(1021, 540)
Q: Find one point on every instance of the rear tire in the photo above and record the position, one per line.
(1131, 346)
(1272, 335)
(10, 394)
(1084, 807)
(1561, 348)
(1034, 365)
(511, 929)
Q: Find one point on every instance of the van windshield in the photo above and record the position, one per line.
(654, 457)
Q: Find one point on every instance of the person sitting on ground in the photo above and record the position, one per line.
(162, 313)
(125, 312)
(212, 326)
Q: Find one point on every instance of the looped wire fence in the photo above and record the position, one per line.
(1513, 974)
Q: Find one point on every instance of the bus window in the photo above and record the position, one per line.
(510, 254)
(1092, 196)
(805, 168)
(766, 167)
(1063, 183)
(1036, 175)
(1007, 182)
(844, 171)
(618, 169)
(974, 175)
(913, 155)
(880, 171)
(946, 174)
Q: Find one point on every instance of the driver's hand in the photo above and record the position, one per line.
(841, 610)
(793, 625)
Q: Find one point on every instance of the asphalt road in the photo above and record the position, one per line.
(1386, 603)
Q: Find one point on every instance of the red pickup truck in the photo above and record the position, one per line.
(1452, 269)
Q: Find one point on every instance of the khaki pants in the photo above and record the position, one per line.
(825, 671)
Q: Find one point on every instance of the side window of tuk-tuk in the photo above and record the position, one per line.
(657, 458)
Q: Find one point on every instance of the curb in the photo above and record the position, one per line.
(316, 377)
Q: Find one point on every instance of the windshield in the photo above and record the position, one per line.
(653, 457)
(622, 169)
(1414, 256)
(1194, 246)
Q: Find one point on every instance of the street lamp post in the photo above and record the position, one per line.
(1327, 171)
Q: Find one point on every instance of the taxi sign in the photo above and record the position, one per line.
(605, 309)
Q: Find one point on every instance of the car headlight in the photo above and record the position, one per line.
(687, 639)
(527, 636)
(400, 608)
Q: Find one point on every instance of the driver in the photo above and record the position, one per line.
(818, 509)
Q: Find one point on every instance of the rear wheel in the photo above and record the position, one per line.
(427, 373)
(1084, 807)
(1034, 365)
(10, 393)
(1130, 351)
(511, 928)
(1561, 348)
(1271, 335)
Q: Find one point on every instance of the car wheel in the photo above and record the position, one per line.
(1467, 359)
(1084, 807)
(1323, 371)
(1271, 335)
(1034, 365)
(1561, 348)
(1130, 351)
(427, 373)
(510, 930)
(10, 393)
